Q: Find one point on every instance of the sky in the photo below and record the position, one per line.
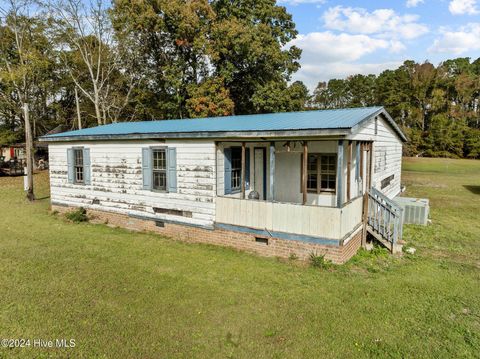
(341, 38)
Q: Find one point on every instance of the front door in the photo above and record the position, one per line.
(260, 163)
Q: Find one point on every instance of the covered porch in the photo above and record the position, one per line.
(307, 188)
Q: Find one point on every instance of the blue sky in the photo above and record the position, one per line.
(340, 38)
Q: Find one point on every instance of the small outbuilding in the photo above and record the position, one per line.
(276, 184)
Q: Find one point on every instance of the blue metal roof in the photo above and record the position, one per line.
(286, 121)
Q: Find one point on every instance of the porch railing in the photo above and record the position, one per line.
(316, 221)
(384, 216)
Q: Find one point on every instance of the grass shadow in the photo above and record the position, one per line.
(42, 198)
(473, 189)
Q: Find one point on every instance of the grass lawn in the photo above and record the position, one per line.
(123, 295)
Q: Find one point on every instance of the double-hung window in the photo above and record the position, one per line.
(321, 173)
(236, 168)
(78, 165)
(159, 170)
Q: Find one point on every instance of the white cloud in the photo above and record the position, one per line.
(329, 47)
(383, 22)
(297, 2)
(397, 46)
(328, 55)
(463, 7)
(458, 42)
(414, 3)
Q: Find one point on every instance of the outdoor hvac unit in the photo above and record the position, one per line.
(415, 210)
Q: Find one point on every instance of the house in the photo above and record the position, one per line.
(275, 184)
(16, 151)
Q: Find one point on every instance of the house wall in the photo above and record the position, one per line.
(387, 153)
(116, 180)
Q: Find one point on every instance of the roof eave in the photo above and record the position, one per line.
(202, 135)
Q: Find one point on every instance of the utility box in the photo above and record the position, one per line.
(415, 210)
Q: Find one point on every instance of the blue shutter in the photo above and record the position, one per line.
(357, 163)
(70, 161)
(227, 152)
(172, 169)
(87, 177)
(147, 168)
(247, 168)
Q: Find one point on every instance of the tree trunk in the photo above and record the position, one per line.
(29, 150)
(79, 117)
(98, 113)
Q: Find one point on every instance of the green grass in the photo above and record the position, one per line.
(122, 294)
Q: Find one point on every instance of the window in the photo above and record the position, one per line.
(159, 170)
(386, 181)
(236, 168)
(78, 165)
(321, 173)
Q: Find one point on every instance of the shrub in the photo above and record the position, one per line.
(293, 256)
(78, 215)
(319, 261)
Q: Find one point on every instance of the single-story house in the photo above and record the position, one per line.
(15, 151)
(276, 184)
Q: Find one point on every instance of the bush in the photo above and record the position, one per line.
(78, 215)
(293, 256)
(319, 261)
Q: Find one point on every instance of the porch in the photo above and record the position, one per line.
(302, 189)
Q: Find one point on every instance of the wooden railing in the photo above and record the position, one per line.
(384, 216)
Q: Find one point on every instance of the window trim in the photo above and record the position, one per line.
(75, 182)
(165, 149)
(319, 174)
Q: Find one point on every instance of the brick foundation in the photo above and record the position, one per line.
(276, 247)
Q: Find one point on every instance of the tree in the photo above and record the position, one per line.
(209, 99)
(91, 55)
(22, 66)
(249, 38)
(189, 44)
(173, 40)
(437, 107)
(278, 97)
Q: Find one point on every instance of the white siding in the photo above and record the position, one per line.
(387, 153)
(117, 180)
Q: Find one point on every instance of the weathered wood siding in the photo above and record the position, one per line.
(116, 169)
(326, 222)
(387, 153)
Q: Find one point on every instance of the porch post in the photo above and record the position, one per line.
(349, 169)
(304, 171)
(243, 170)
(272, 171)
(362, 149)
(340, 173)
(369, 169)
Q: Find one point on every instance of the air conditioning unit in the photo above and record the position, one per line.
(415, 210)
